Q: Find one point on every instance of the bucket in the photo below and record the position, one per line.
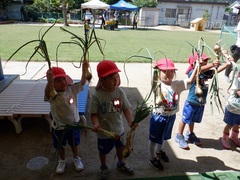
(1, 71)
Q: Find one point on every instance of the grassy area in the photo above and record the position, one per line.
(119, 44)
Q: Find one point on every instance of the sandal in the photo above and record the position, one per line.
(125, 169)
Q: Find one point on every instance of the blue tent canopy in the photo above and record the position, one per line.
(124, 6)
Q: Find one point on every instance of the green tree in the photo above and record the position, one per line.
(145, 3)
(206, 15)
(5, 3)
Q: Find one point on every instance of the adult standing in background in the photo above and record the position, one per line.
(104, 15)
(135, 20)
(88, 15)
(116, 15)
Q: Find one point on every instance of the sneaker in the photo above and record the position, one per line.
(61, 166)
(225, 143)
(125, 169)
(103, 174)
(192, 138)
(162, 155)
(179, 138)
(156, 163)
(78, 164)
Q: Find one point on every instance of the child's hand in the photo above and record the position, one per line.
(133, 125)
(216, 63)
(96, 127)
(229, 60)
(50, 76)
(154, 64)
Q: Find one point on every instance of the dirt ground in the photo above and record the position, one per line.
(30, 155)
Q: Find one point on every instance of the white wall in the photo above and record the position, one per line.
(148, 17)
(216, 11)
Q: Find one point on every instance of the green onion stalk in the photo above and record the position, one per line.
(142, 110)
(84, 43)
(214, 90)
(75, 125)
(214, 87)
(40, 49)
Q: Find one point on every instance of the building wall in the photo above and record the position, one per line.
(14, 12)
(148, 16)
(195, 11)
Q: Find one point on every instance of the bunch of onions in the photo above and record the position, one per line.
(141, 112)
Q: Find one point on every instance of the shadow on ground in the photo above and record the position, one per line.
(17, 150)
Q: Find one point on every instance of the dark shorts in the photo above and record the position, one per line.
(231, 118)
(161, 127)
(192, 113)
(62, 137)
(106, 145)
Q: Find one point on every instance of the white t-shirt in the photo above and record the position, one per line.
(171, 94)
(238, 34)
(88, 15)
(233, 103)
(64, 107)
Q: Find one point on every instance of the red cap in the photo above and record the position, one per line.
(192, 59)
(57, 72)
(166, 64)
(106, 67)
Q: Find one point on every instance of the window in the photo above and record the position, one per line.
(170, 13)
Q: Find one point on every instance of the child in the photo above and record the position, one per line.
(232, 116)
(235, 50)
(108, 104)
(64, 111)
(166, 105)
(194, 105)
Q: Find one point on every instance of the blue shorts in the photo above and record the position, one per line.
(161, 127)
(231, 118)
(192, 113)
(106, 145)
(61, 137)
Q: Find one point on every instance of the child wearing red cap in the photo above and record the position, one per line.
(64, 111)
(109, 103)
(194, 105)
(167, 92)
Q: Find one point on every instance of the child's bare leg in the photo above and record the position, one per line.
(103, 158)
(235, 127)
(225, 137)
(120, 154)
(181, 127)
(75, 151)
(191, 127)
(61, 153)
(227, 129)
